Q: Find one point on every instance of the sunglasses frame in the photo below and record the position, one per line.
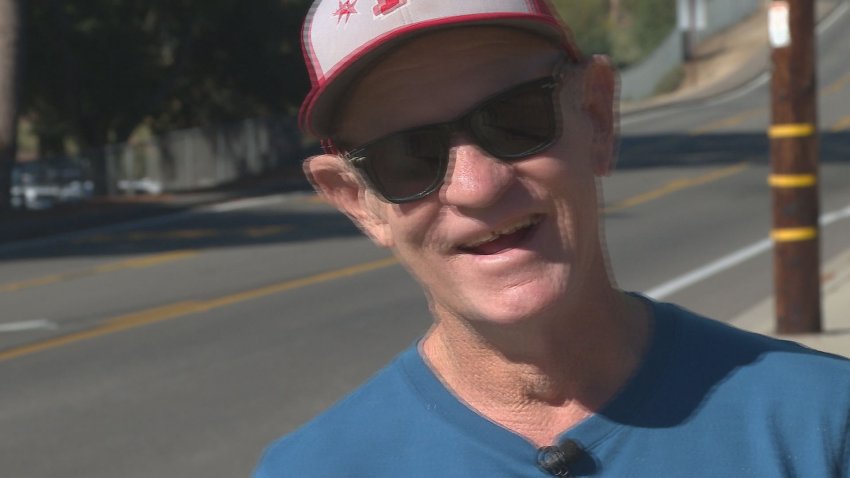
(357, 157)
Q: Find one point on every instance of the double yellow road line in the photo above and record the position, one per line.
(185, 308)
(134, 263)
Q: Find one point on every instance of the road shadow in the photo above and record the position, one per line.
(683, 150)
(198, 231)
(257, 227)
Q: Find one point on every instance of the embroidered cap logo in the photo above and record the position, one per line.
(384, 7)
(346, 8)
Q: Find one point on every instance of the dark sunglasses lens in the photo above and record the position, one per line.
(516, 125)
(408, 165)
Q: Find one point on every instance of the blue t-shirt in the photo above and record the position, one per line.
(707, 401)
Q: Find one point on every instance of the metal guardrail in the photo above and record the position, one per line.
(181, 160)
(177, 161)
(204, 157)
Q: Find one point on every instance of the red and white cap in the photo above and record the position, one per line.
(342, 37)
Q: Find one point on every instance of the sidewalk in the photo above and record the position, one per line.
(835, 291)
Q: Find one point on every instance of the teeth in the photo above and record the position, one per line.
(493, 235)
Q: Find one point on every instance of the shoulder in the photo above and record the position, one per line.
(365, 423)
(701, 335)
(744, 366)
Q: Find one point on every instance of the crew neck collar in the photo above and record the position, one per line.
(589, 433)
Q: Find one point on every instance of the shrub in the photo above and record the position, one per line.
(628, 35)
(588, 20)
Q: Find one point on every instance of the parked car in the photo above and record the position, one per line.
(41, 185)
(140, 186)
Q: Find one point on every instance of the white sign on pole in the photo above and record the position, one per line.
(778, 24)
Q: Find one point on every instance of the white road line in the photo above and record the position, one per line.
(727, 262)
(76, 235)
(23, 326)
(716, 100)
(741, 92)
(248, 203)
(833, 17)
(641, 117)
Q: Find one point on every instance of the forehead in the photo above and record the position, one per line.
(437, 77)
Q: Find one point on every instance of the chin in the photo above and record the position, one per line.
(520, 305)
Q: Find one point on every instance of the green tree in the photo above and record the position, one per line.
(100, 68)
(588, 20)
(626, 30)
(642, 26)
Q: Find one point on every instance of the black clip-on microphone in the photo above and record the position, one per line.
(556, 460)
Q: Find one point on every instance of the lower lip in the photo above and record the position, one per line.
(504, 244)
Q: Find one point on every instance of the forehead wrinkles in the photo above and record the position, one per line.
(438, 76)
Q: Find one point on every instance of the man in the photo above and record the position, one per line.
(468, 136)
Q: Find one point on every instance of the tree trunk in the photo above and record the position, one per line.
(10, 46)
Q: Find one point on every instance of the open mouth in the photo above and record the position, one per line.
(509, 237)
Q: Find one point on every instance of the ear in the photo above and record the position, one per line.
(600, 104)
(341, 186)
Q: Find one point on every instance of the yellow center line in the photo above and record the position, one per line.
(265, 231)
(135, 263)
(146, 261)
(303, 282)
(189, 234)
(839, 85)
(176, 234)
(729, 122)
(842, 125)
(124, 322)
(26, 284)
(182, 309)
(674, 186)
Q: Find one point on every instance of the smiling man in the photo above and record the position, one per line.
(468, 137)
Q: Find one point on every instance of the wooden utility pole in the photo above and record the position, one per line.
(794, 160)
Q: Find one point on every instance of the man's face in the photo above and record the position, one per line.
(499, 242)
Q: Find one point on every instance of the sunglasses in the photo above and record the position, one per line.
(512, 125)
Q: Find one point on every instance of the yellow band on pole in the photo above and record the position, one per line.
(792, 180)
(794, 234)
(791, 130)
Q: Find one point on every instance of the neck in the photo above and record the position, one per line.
(540, 378)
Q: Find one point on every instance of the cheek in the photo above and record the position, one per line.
(376, 220)
(566, 180)
(564, 174)
(413, 227)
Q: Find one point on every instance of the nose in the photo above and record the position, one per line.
(475, 179)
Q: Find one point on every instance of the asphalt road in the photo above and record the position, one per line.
(180, 346)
